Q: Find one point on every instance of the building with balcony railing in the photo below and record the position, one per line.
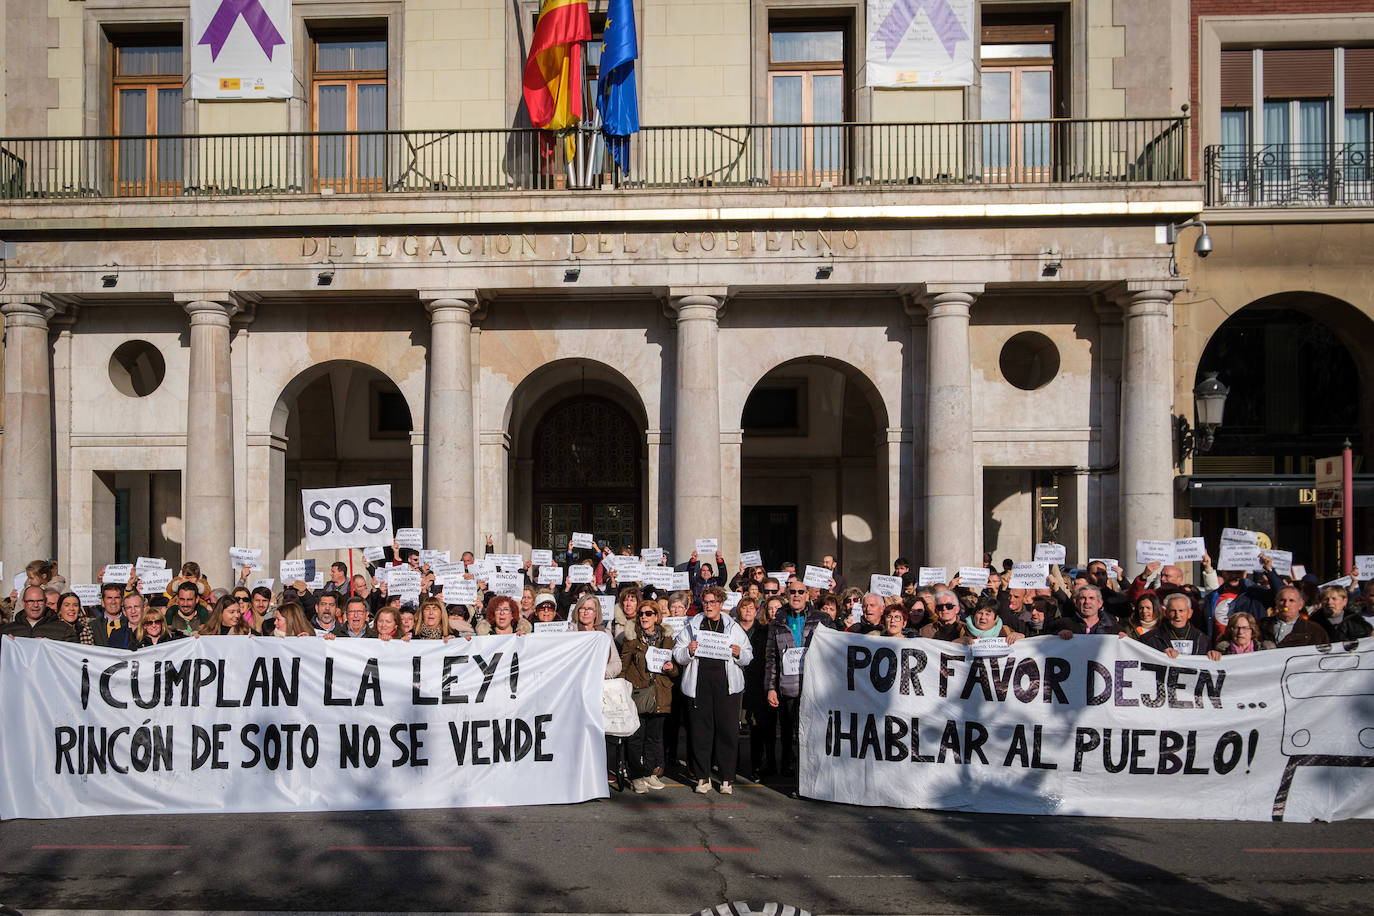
(813, 316)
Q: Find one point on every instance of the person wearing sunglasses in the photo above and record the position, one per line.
(152, 629)
(653, 693)
(788, 636)
(946, 626)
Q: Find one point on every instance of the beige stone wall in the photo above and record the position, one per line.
(65, 65)
(454, 59)
(243, 117)
(920, 105)
(695, 62)
(1106, 44)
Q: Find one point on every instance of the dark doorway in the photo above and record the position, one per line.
(771, 529)
(587, 453)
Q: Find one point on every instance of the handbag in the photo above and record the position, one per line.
(618, 708)
(646, 699)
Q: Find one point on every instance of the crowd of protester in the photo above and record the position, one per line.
(767, 619)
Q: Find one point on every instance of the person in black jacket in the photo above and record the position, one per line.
(1088, 618)
(1176, 630)
(762, 718)
(36, 621)
(1340, 625)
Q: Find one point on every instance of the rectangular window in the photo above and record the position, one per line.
(147, 96)
(349, 95)
(776, 410)
(1020, 83)
(806, 92)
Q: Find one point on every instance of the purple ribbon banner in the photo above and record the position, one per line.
(259, 23)
(898, 20)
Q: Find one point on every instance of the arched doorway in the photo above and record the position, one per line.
(813, 476)
(587, 460)
(344, 424)
(1296, 394)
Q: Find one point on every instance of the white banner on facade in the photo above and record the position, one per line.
(226, 724)
(1092, 725)
(920, 42)
(241, 49)
(347, 517)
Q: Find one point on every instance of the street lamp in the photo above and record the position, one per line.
(1209, 401)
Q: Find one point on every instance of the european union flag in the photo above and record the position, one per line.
(619, 106)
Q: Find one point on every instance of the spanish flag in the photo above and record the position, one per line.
(553, 73)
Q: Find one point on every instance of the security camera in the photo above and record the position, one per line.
(1204, 245)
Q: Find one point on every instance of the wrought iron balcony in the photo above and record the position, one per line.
(1289, 175)
(984, 153)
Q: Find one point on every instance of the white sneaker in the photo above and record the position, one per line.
(654, 783)
(704, 786)
(726, 788)
(641, 786)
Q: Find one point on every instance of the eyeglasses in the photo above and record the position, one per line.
(710, 601)
(770, 591)
(648, 614)
(243, 600)
(796, 591)
(947, 607)
(152, 623)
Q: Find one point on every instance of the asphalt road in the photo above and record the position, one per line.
(676, 852)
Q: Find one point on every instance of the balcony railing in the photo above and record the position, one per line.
(1289, 175)
(747, 155)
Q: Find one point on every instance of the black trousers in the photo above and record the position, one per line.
(677, 719)
(763, 739)
(788, 714)
(714, 722)
(645, 747)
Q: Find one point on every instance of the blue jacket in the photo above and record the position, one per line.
(1254, 599)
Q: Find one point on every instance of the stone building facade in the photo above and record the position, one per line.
(945, 326)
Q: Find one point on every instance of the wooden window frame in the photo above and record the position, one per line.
(349, 181)
(150, 184)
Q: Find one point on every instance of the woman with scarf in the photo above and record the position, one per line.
(645, 747)
(984, 623)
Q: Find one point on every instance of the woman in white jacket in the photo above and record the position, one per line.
(714, 687)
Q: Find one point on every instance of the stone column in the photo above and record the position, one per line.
(951, 509)
(450, 481)
(1147, 398)
(696, 420)
(208, 478)
(26, 503)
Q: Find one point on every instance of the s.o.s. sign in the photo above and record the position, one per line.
(347, 517)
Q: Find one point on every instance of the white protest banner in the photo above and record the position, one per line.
(751, 558)
(1154, 551)
(114, 572)
(291, 570)
(1299, 571)
(383, 575)
(930, 575)
(1029, 575)
(410, 538)
(261, 725)
(651, 555)
(1236, 555)
(974, 577)
(1108, 562)
(817, 577)
(21, 578)
(920, 43)
(660, 577)
(579, 573)
(550, 626)
(681, 581)
(251, 60)
(1051, 553)
(374, 554)
(541, 557)
(1364, 563)
(508, 562)
(264, 583)
(404, 582)
(464, 591)
(782, 577)
(1095, 726)
(430, 557)
(732, 600)
(706, 548)
(550, 575)
(88, 593)
(1283, 561)
(447, 573)
(713, 645)
(143, 564)
(1189, 550)
(510, 584)
(1343, 582)
(655, 659)
(483, 569)
(990, 647)
(1240, 536)
(347, 517)
(316, 582)
(887, 586)
(154, 581)
(584, 540)
(631, 571)
(607, 603)
(240, 557)
(792, 661)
